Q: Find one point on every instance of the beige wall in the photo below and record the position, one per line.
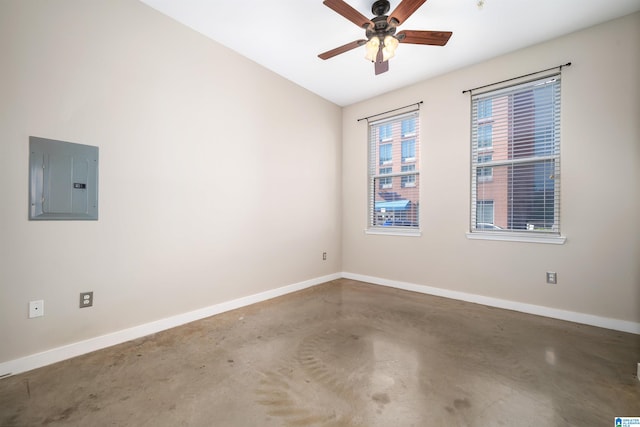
(218, 178)
(599, 265)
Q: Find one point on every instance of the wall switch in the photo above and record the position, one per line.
(86, 299)
(324, 256)
(36, 308)
(552, 277)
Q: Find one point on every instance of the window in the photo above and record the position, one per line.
(408, 180)
(485, 135)
(484, 173)
(485, 107)
(409, 150)
(485, 123)
(385, 132)
(484, 215)
(393, 186)
(386, 155)
(409, 127)
(515, 152)
(385, 182)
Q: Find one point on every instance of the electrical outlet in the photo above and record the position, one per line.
(324, 256)
(552, 277)
(86, 299)
(36, 308)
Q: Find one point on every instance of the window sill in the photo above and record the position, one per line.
(517, 237)
(393, 231)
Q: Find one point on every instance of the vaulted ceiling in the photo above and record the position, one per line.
(286, 36)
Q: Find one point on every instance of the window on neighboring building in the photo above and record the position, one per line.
(408, 180)
(485, 139)
(385, 182)
(485, 135)
(393, 186)
(484, 214)
(485, 107)
(409, 127)
(516, 158)
(409, 150)
(484, 173)
(386, 155)
(384, 132)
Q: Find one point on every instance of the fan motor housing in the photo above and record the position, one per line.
(380, 7)
(380, 28)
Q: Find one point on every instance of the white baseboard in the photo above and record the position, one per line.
(59, 354)
(571, 316)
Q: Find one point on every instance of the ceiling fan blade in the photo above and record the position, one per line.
(348, 12)
(381, 66)
(404, 10)
(433, 38)
(342, 49)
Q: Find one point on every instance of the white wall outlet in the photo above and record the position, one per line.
(552, 277)
(36, 308)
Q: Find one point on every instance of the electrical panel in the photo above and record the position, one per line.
(63, 180)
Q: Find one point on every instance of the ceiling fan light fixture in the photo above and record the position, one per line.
(381, 39)
(390, 46)
(372, 47)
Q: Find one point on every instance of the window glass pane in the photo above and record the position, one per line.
(523, 196)
(396, 208)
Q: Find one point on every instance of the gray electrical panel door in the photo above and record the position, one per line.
(63, 180)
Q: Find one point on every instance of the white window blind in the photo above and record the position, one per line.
(394, 159)
(515, 158)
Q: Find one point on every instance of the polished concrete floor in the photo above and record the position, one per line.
(344, 353)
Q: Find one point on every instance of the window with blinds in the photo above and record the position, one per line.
(515, 158)
(394, 159)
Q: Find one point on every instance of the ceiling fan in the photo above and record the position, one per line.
(382, 40)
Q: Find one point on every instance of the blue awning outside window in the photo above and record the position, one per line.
(394, 205)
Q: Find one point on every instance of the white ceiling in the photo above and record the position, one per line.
(286, 36)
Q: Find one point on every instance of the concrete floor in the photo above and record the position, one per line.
(343, 354)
